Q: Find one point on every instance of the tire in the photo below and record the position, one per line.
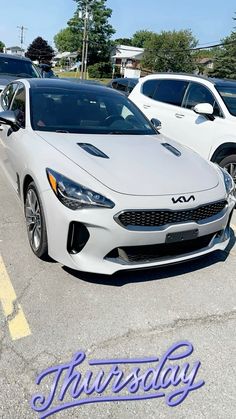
(229, 163)
(35, 222)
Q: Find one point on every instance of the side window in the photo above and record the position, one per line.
(197, 93)
(18, 105)
(122, 85)
(7, 96)
(171, 91)
(149, 87)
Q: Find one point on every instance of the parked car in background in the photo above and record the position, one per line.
(197, 111)
(15, 67)
(124, 84)
(102, 190)
(46, 71)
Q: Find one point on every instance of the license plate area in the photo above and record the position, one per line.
(181, 236)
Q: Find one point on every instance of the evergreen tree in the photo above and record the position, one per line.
(40, 50)
(2, 45)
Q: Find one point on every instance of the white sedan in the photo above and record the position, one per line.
(102, 190)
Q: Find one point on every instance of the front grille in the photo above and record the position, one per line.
(157, 252)
(158, 218)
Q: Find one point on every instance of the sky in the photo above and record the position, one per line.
(209, 20)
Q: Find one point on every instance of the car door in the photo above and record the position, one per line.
(162, 99)
(5, 103)
(12, 139)
(194, 130)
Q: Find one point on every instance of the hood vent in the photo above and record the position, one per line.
(172, 149)
(94, 151)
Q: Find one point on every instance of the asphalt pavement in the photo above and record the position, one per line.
(55, 313)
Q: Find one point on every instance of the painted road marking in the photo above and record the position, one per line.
(17, 323)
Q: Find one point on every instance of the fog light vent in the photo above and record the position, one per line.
(78, 236)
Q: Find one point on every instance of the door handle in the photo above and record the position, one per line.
(179, 115)
(146, 106)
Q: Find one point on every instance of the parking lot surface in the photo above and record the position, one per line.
(48, 313)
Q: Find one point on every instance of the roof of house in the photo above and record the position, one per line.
(124, 51)
(15, 48)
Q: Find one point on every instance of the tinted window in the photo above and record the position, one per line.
(149, 87)
(81, 111)
(7, 96)
(170, 91)
(197, 93)
(17, 67)
(228, 95)
(18, 105)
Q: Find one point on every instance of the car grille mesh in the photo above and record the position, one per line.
(157, 218)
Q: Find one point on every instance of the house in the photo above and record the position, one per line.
(69, 58)
(128, 59)
(205, 64)
(15, 50)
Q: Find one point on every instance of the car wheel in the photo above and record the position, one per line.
(35, 222)
(229, 163)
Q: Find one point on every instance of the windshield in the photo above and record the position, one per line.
(86, 111)
(17, 68)
(228, 94)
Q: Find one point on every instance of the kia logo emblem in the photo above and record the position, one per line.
(183, 199)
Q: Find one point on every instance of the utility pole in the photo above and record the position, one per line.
(86, 14)
(22, 30)
(83, 66)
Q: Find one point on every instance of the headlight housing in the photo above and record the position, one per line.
(75, 196)
(229, 182)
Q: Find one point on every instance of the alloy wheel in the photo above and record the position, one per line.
(33, 219)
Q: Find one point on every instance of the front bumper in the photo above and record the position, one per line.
(100, 255)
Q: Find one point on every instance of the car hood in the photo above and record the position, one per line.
(4, 80)
(137, 165)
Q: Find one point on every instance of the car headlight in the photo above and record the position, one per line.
(75, 196)
(229, 182)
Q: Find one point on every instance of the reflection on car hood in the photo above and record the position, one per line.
(137, 165)
(4, 80)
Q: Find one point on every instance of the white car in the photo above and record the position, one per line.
(102, 190)
(197, 111)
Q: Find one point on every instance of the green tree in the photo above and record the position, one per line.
(225, 59)
(99, 30)
(123, 41)
(170, 51)
(66, 40)
(40, 50)
(140, 38)
(2, 45)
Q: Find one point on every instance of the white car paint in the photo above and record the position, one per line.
(140, 174)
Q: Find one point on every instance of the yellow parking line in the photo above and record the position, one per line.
(17, 323)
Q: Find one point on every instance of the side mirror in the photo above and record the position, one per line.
(9, 118)
(156, 123)
(204, 109)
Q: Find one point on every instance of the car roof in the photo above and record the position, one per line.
(14, 56)
(215, 81)
(67, 84)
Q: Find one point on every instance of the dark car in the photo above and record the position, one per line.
(46, 71)
(15, 67)
(124, 84)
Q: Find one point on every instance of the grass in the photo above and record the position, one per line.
(76, 74)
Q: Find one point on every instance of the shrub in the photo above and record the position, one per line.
(100, 70)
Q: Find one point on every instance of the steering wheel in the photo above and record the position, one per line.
(113, 118)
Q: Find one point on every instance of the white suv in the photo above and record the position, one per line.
(196, 111)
